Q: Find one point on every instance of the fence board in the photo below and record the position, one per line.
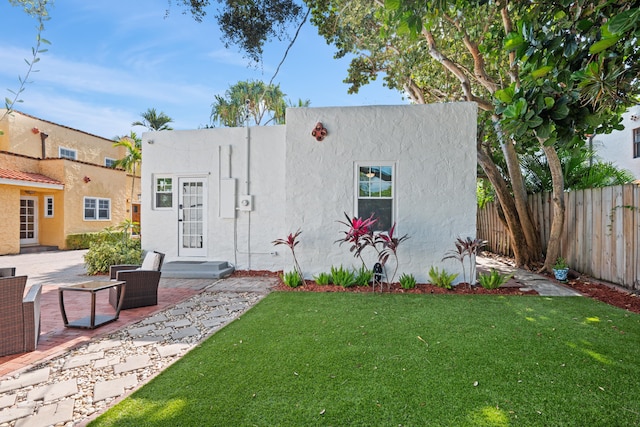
(601, 236)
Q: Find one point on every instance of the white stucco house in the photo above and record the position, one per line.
(225, 194)
(622, 148)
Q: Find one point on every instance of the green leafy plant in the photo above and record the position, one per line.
(407, 281)
(343, 277)
(323, 279)
(291, 279)
(560, 264)
(466, 248)
(441, 279)
(292, 241)
(493, 279)
(104, 254)
(364, 277)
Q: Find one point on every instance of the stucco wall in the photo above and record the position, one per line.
(217, 154)
(298, 182)
(433, 147)
(20, 139)
(617, 147)
(10, 224)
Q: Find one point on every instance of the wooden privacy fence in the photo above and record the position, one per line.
(601, 236)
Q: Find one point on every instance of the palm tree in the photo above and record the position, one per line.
(249, 100)
(132, 159)
(153, 120)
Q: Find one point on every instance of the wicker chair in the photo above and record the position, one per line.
(7, 271)
(141, 287)
(19, 315)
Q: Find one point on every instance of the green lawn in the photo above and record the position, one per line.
(343, 359)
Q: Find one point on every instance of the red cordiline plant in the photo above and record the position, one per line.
(292, 241)
(466, 248)
(360, 236)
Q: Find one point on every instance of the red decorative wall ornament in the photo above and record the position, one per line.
(86, 179)
(35, 131)
(319, 132)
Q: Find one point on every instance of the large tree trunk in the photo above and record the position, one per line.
(516, 235)
(557, 224)
(534, 247)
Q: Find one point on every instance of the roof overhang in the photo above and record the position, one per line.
(21, 183)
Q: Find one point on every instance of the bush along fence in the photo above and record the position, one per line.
(601, 235)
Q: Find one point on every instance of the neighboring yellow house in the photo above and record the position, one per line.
(56, 181)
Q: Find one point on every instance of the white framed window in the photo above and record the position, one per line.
(109, 162)
(636, 143)
(163, 192)
(375, 193)
(97, 209)
(67, 153)
(48, 206)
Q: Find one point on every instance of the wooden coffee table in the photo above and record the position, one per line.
(93, 320)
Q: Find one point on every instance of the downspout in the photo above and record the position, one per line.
(247, 187)
(43, 136)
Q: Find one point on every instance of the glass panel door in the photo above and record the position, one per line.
(28, 221)
(192, 217)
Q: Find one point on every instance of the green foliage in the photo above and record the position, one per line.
(323, 279)
(104, 253)
(441, 279)
(407, 281)
(484, 193)
(291, 279)
(560, 264)
(154, 121)
(364, 276)
(343, 277)
(249, 101)
(493, 279)
(84, 240)
(37, 9)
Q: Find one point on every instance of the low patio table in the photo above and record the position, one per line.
(93, 320)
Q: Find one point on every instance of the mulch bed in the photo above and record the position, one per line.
(587, 286)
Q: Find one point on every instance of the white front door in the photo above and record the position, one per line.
(28, 220)
(192, 214)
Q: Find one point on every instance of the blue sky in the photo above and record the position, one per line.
(111, 60)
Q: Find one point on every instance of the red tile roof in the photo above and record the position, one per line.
(27, 176)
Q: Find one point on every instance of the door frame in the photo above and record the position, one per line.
(185, 251)
(33, 240)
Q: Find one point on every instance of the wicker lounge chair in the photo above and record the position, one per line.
(141, 288)
(7, 271)
(19, 315)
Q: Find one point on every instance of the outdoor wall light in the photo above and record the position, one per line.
(319, 132)
(150, 141)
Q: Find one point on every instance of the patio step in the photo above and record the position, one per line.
(34, 249)
(196, 269)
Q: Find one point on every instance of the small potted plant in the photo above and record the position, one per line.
(561, 269)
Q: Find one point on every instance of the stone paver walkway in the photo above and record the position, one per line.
(76, 386)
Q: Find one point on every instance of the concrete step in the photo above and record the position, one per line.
(196, 269)
(34, 249)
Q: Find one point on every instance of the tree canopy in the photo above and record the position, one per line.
(249, 102)
(153, 120)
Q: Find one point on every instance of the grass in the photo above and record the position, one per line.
(343, 359)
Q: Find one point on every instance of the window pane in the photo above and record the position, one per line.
(382, 210)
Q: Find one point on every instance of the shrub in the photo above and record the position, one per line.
(364, 276)
(494, 279)
(292, 241)
(407, 281)
(291, 279)
(343, 277)
(441, 279)
(323, 279)
(103, 254)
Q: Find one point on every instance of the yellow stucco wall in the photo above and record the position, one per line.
(9, 224)
(20, 138)
(68, 218)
